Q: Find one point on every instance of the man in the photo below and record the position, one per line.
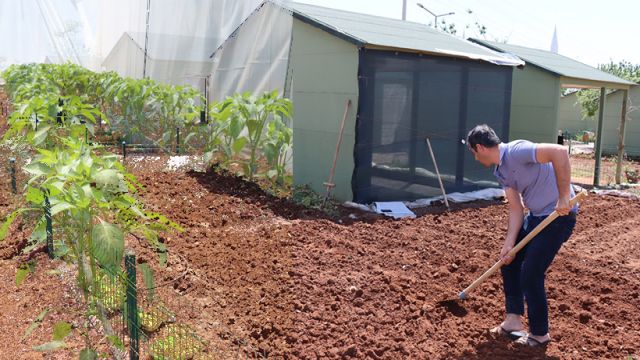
(535, 176)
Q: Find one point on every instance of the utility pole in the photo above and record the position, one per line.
(435, 22)
(404, 9)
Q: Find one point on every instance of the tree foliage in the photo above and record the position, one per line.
(589, 99)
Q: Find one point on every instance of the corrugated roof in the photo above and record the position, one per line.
(176, 47)
(555, 63)
(368, 30)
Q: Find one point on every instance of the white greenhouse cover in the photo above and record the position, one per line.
(179, 40)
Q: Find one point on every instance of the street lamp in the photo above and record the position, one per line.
(435, 24)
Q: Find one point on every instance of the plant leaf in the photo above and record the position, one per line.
(4, 229)
(88, 354)
(107, 245)
(60, 207)
(24, 270)
(41, 135)
(147, 277)
(50, 346)
(61, 330)
(35, 323)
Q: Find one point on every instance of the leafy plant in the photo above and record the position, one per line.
(180, 343)
(91, 195)
(250, 130)
(590, 99)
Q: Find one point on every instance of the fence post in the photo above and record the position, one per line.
(12, 170)
(133, 322)
(60, 114)
(177, 140)
(599, 136)
(49, 225)
(124, 151)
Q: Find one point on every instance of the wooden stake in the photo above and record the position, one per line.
(444, 194)
(329, 184)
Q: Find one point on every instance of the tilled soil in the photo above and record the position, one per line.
(297, 285)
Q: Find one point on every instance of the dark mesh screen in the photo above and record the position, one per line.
(406, 98)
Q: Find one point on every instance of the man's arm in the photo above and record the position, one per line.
(557, 155)
(516, 217)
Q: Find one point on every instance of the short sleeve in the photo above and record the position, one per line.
(523, 152)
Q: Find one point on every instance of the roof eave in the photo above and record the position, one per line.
(578, 83)
(431, 53)
(331, 30)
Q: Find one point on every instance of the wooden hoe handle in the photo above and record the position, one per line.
(576, 199)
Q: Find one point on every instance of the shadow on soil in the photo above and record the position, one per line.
(231, 185)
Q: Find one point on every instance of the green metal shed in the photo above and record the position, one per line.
(536, 88)
(406, 82)
(536, 93)
(570, 119)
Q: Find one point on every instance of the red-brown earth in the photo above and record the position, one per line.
(298, 285)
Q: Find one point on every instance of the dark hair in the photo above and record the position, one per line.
(482, 135)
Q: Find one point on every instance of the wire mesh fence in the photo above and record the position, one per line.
(583, 166)
(144, 327)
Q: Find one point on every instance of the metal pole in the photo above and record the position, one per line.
(146, 41)
(623, 122)
(124, 151)
(599, 136)
(133, 322)
(12, 169)
(177, 140)
(49, 225)
(404, 9)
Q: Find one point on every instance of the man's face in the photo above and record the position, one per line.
(481, 155)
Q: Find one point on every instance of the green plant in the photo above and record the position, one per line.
(175, 108)
(251, 130)
(179, 343)
(277, 150)
(306, 196)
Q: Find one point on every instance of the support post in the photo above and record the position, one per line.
(623, 122)
(49, 224)
(133, 322)
(599, 136)
(177, 140)
(12, 169)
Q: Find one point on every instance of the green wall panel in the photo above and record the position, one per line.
(324, 74)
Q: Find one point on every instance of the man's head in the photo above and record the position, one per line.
(483, 143)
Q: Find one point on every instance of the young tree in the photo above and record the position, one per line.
(589, 98)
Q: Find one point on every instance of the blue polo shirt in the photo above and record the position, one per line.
(536, 182)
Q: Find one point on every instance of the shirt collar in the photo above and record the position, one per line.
(503, 150)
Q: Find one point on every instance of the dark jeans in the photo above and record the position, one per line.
(524, 277)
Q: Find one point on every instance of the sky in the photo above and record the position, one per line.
(587, 30)
(590, 31)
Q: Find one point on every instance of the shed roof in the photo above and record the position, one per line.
(572, 73)
(376, 31)
(383, 33)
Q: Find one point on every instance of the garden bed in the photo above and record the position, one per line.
(295, 284)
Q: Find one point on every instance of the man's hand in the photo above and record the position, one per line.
(503, 253)
(563, 207)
